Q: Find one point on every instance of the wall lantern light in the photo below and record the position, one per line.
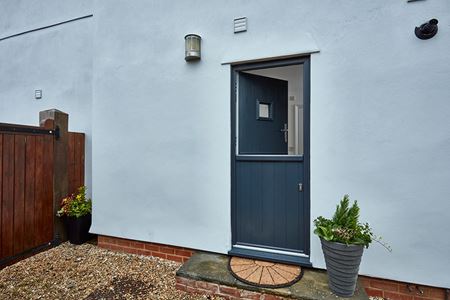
(427, 30)
(192, 47)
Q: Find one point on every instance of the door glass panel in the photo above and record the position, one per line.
(264, 110)
(270, 111)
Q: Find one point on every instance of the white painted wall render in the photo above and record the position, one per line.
(379, 116)
(379, 121)
(23, 15)
(57, 60)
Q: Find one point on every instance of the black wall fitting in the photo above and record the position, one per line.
(427, 30)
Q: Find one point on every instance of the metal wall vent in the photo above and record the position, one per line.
(240, 24)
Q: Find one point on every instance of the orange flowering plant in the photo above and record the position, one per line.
(76, 205)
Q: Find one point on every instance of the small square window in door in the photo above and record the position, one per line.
(264, 111)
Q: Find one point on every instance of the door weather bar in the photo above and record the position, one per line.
(271, 250)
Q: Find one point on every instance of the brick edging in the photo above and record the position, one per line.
(374, 287)
(230, 293)
(174, 253)
(391, 289)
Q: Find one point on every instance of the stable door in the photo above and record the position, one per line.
(270, 210)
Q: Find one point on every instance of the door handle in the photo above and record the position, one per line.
(300, 187)
(285, 130)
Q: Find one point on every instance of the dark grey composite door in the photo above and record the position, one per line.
(269, 211)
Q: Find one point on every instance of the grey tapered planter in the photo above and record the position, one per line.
(342, 263)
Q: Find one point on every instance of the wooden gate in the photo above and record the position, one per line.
(28, 180)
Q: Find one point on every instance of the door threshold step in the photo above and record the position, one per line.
(207, 273)
(268, 256)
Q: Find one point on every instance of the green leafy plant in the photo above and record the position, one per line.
(344, 227)
(76, 205)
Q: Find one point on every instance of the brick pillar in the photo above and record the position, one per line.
(60, 163)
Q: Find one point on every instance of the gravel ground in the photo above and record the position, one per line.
(88, 272)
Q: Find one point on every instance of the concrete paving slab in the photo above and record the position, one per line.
(211, 267)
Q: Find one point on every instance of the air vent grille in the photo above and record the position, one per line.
(240, 24)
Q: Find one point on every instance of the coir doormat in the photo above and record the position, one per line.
(263, 273)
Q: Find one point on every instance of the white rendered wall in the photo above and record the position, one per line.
(57, 60)
(380, 121)
(23, 15)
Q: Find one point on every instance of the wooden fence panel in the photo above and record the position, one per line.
(76, 159)
(19, 191)
(1, 194)
(8, 195)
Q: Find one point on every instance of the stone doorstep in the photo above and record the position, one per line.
(213, 268)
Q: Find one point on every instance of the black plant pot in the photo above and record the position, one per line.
(342, 263)
(78, 229)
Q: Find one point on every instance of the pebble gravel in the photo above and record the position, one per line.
(89, 272)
